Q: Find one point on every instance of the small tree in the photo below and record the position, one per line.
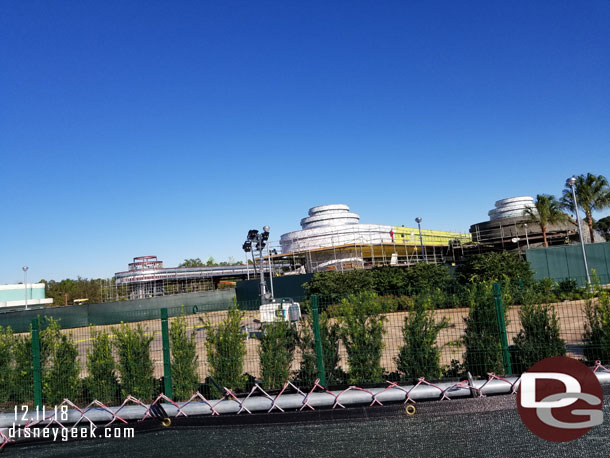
(593, 194)
(23, 382)
(184, 359)
(362, 333)
(226, 349)
(482, 335)
(420, 356)
(546, 210)
(597, 327)
(59, 361)
(539, 336)
(491, 267)
(135, 366)
(7, 367)
(103, 384)
(329, 337)
(276, 352)
(61, 379)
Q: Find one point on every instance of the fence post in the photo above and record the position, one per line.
(167, 362)
(317, 340)
(502, 327)
(36, 364)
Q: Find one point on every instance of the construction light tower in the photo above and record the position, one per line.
(258, 241)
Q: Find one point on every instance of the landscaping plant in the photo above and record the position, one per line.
(361, 330)
(226, 350)
(185, 380)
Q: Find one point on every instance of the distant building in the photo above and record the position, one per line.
(12, 297)
(332, 238)
(509, 230)
(147, 277)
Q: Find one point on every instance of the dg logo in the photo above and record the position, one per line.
(560, 399)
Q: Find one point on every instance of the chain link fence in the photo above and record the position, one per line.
(363, 339)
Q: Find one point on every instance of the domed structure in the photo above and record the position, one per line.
(512, 207)
(332, 237)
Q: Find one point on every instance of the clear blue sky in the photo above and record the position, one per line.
(132, 128)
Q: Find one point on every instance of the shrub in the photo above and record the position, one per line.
(102, 382)
(420, 356)
(8, 377)
(597, 328)
(61, 379)
(424, 276)
(482, 334)
(184, 359)
(276, 351)
(382, 280)
(329, 337)
(539, 336)
(135, 366)
(361, 330)
(226, 349)
(23, 385)
(495, 267)
(59, 364)
(336, 285)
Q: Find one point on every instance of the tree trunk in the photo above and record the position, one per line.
(590, 223)
(543, 228)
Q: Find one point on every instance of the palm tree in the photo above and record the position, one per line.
(546, 210)
(592, 193)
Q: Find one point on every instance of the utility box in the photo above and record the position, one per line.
(286, 310)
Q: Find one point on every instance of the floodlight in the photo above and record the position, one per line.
(252, 233)
(571, 181)
(247, 246)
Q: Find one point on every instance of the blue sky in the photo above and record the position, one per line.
(132, 128)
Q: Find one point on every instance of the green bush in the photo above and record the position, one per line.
(424, 276)
(539, 336)
(226, 349)
(597, 327)
(329, 337)
(276, 352)
(361, 330)
(102, 381)
(185, 380)
(8, 376)
(59, 363)
(495, 267)
(482, 334)
(383, 280)
(135, 366)
(420, 356)
(335, 285)
(23, 385)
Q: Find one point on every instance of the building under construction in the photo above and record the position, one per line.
(147, 277)
(332, 238)
(509, 229)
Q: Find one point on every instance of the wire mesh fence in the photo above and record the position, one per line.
(359, 339)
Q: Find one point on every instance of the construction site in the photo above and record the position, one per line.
(332, 238)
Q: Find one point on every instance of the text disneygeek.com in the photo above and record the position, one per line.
(64, 433)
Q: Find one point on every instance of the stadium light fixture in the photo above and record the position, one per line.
(25, 284)
(256, 240)
(418, 220)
